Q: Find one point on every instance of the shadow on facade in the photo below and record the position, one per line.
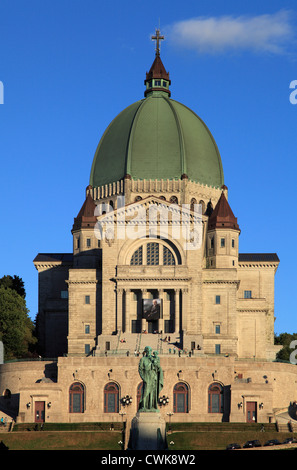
(9, 405)
(50, 373)
(292, 410)
(227, 404)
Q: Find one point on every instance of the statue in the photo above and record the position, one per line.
(152, 375)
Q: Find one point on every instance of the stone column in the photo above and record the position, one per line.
(127, 311)
(143, 321)
(176, 311)
(161, 320)
(184, 309)
(119, 321)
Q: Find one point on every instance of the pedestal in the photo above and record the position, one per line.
(148, 432)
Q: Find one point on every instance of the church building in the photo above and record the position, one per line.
(156, 262)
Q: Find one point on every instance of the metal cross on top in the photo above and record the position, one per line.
(157, 38)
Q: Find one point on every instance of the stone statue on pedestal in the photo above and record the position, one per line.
(148, 427)
(152, 375)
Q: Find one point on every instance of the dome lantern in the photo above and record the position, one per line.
(157, 79)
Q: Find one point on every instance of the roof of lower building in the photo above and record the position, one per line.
(264, 257)
(53, 257)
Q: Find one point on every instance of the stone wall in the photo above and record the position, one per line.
(271, 385)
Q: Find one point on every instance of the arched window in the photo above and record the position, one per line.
(152, 254)
(76, 398)
(193, 202)
(174, 200)
(7, 393)
(136, 259)
(202, 206)
(111, 398)
(168, 258)
(215, 398)
(181, 398)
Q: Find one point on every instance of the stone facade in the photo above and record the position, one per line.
(211, 295)
(216, 328)
(175, 243)
(269, 386)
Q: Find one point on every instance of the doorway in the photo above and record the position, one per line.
(251, 411)
(39, 411)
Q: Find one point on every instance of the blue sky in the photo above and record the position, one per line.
(68, 67)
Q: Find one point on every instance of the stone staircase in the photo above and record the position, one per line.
(285, 423)
(136, 342)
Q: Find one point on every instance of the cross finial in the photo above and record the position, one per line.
(157, 38)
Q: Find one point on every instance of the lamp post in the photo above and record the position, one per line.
(170, 413)
(126, 401)
(122, 414)
(163, 400)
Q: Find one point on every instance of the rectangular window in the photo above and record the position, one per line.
(211, 242)
(111, 403)
(168, 326)
(218, 349)
(87, 349)
(76, 403)
(88, 242)
(218, 329)
(222, 242)
(180, 403)
(87, 299)
(77, 243)
(135, 326)
(233, 243)
(247, 294)
(218, 299)
(64, 294)
(215, 403)
(87, 329)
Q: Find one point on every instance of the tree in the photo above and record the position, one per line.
(285, 339)
(16, 327)
(15, 283)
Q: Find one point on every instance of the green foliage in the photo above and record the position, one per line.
(285, 339)
(16, 327)
(14, 283)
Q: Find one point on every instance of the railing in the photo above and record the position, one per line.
(119, 336)
(33, 359)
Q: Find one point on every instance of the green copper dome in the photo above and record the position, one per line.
(157, 138)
